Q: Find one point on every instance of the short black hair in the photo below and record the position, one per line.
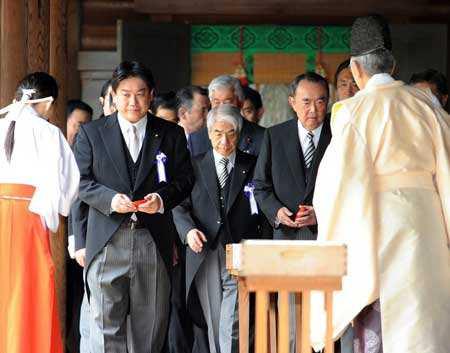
(43, 84)
(431, 76)
(342, 66)
(166, 100)
(253, 96)
(74, 104)
(128, 69)
(311, 77)
(185, 95)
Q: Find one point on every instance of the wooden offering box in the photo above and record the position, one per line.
(284, 267)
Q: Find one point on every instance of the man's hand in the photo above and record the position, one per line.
(284, 217)
(306, 216)
(152, 205)
(80, 256)
(122, 204)
(195, 240)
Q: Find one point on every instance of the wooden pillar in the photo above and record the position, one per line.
(73, 47)
(58, 69)
(37, 38)
(58, 58)
(13, 56)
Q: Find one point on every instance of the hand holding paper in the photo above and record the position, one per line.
(152, 204)
(305, 216)
(284, 217)
(122, 204)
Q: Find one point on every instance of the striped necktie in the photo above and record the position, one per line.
(310, 149)
(223, 172)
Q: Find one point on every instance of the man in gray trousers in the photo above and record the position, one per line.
(220, 210)
(134, 169)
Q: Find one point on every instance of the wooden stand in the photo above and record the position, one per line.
(284, 267)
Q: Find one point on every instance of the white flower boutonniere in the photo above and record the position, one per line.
(249, 192)
(161, 160)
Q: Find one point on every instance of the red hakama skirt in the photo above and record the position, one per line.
(29, 321)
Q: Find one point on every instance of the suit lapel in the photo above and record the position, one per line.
(238, 177)
(150, 147)
(112, 138)
(324, 140)
(294, 154)
(209, 177)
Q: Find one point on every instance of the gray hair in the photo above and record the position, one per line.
(226, 82)
(377, 62)
(227, 113)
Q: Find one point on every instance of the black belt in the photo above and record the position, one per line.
(130, 224)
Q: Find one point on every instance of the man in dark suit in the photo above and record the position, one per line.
(183, 337)
(77, 113)
(131, 156)
(226, 89)
(220, 210)
(289, 158)
(288, 162)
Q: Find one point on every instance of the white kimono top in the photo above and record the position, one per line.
(41, 158)
(383, 189)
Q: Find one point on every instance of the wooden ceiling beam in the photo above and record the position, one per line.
(329, 8)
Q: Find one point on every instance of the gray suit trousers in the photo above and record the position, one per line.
(217, 292)
(128, 277)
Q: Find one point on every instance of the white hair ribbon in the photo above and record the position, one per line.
(15, 108)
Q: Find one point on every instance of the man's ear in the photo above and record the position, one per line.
(357, 73)
(291, 101)
(152, 94)
(260, 113)
(395, 70)
(182, 113)
(114, 97)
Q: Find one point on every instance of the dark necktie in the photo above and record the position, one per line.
(310, 149)
(223, 172)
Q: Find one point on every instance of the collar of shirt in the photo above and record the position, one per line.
(125, 125)
(303, 135)
(218, 157)
(379, 80)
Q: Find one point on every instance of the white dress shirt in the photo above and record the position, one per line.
(125, 127)
(303, 136)
(231, 159)
(141, 127)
